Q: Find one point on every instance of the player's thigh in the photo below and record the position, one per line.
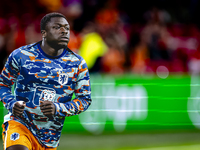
(16, 135)
(17, 147)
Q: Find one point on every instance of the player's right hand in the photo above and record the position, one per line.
(18, 108)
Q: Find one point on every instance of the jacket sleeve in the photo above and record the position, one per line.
(82, 99)
(7, 79)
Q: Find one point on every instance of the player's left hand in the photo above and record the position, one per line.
(47, 108)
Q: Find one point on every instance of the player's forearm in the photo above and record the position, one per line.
(7, 97)
(73, 107)
(6, 82)
(7, 79)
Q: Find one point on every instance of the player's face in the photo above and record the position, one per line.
(57, 32)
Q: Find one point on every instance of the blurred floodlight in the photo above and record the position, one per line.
(162, 72)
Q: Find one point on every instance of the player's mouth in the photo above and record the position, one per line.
(65, 39)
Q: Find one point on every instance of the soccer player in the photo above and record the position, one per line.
(45, 75)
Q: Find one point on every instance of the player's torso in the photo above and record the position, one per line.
(43, 78)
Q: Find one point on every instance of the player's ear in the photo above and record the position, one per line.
(43, 33)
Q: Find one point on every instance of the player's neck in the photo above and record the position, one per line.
(50, 50)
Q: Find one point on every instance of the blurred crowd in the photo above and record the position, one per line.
(113, 36)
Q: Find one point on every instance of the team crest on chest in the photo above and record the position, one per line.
(63, 78)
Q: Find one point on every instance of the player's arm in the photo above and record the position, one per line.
(7, 78)
(82, 99)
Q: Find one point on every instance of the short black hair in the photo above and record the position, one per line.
(47, 18)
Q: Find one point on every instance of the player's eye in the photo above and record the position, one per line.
(66, 27)
(56, 27)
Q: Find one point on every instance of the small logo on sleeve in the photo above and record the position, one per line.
(14, 136)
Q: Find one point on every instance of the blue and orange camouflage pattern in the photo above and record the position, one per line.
(39, 77)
